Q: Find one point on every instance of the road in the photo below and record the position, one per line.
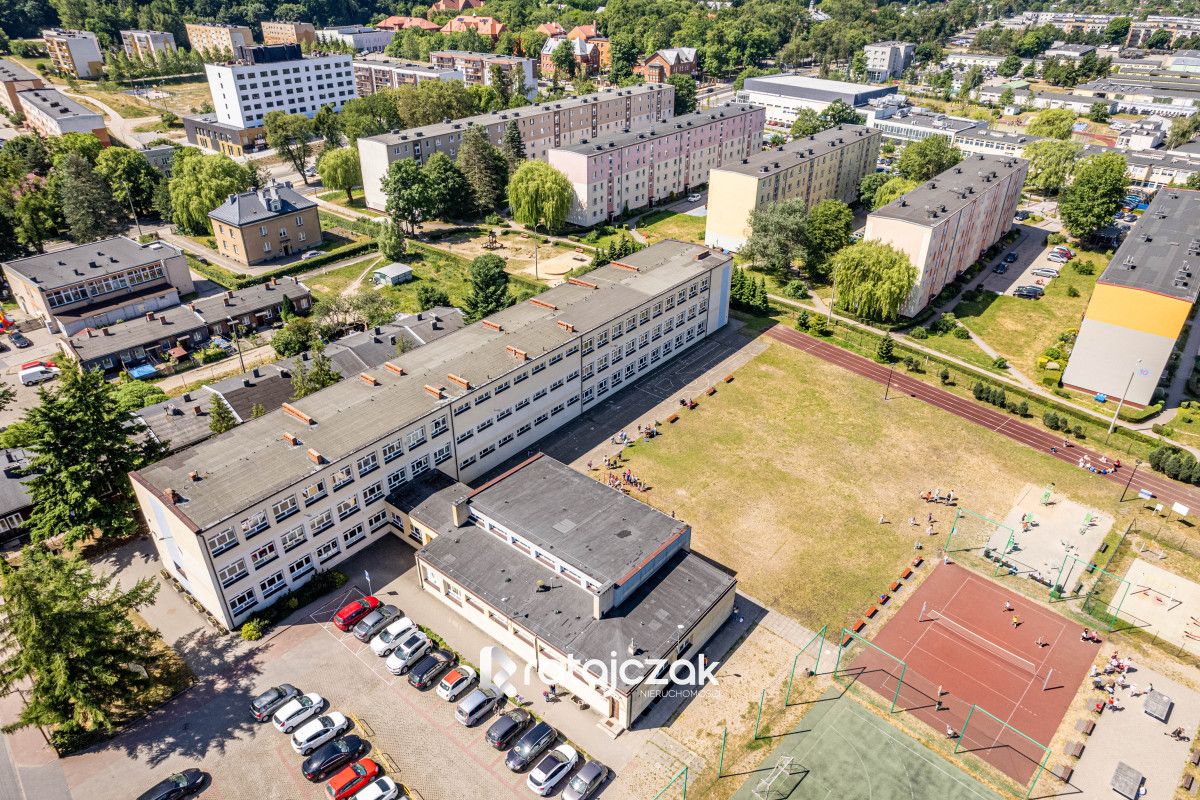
(1164, 489)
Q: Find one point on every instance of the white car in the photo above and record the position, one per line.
(408, 652)
(379, 789)
(456, 681)
(553, 767)
(693, 198)
(314, 733)
(36, 375)
(390, 637)
(296, 711)
(311, 254)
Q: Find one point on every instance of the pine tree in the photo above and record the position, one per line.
(489, 288)
(484, 168)
(220, 415)
(884, 351)
(306, 379)
(512, 146)
(87, 201)
(737, 283)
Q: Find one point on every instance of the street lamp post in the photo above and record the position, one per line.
(132, 210)
(1132, 472)
(888, 388)
(237, 343)
(1121, 401)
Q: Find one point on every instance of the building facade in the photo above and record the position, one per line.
(74, 52)
(244, 516)
(907, 124)
(146, 44)
(825, 166)
(662, 64)
(476, 68)
(887, 60)
(947, 222)
(49, 112)
(585, 54)
(783, 95)
(374, 72)
(288, 33)
(624, 171)
(361, 39)
(14, 79)
(258, 226)
(1140, 304)
(399, 23)
(205, 131)
(218, 38)
(97, 284)
(487, 27)
(278, 78)
(545, 126)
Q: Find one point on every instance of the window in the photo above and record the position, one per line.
(341, 477)
(462, 437)
(313, 492)
(293, 538)
(396, 478)
(505, 439)
(520, 376)
(466, 462)
(487, 423)
(347, 507)
(554, 359)
(617, 331)
(242, 603)
(368, 463)
(524, 429)
(464, 407)
(644, 316)
(538, 367)
(522, 403)
(416, 437)
(254, 524)
(501, 387)
(482, 398)
(377, 520)
(263, 555)
(540, 393)
(440, 426)
(601, 338)
(587, 345)
(588, 394)
(328, 550)
(285, 508)
(588, 368)
(232, 573)
(558, 408)
(372, 493)
(392, 450)
(441, 454)
(630, 324)
(540, 418)
(503, 413)
(300, 567)
(321, 522)
(272, 585)
(419, 466)
(222, 542)
(352, 536)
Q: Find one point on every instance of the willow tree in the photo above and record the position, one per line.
(540, 195)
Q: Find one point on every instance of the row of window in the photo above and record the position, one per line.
(99, 286)
(644, 316)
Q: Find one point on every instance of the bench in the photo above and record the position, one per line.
(896, 586)
(884, 598)
(872, 611)
(1186, 783)
(1194, 758)
(1063, 772)
(1085, 726)
(918, 561)
(906, 574)
(729, 379)
(858, 626)
(710, 391)
(673, 418)
(1073, 749)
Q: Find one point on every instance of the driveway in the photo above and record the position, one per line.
(44, 347)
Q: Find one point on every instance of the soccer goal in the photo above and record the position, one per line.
(777, 783)
(985, 644)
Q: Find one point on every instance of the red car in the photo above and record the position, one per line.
(37, 363)
(355, 611)
(351, 779)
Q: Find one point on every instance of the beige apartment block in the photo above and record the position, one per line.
(288, 32)
(825, 166)
(273, 222)
(217, 37)
(949, 221)
(74, 52)
(146, 44)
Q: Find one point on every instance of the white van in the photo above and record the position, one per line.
(35, 375)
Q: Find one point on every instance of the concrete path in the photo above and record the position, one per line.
(119, 127)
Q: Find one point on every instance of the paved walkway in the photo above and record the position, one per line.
(253, 357)
(120, 127)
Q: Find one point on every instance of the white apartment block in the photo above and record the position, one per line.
(543, 127)
(363, 40)
(74, 52)
(374, 72)
(243, 92)
(886, 60)
(146, 44)
(946, 223)
(477, 68)
(634, 169)
(244, 516)
(52, 113)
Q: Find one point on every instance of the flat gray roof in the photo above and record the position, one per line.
(54, 103)
(816, 89)
(951, 190)
(13, 494)
(252, 462)
(174, 423)
(171, 324)
(71, 265)
(249, 300)
(1162, 253)
(382, 60)
(998, 136)
(930, 120)
(12, 71)
(660, 129)
(770, 162)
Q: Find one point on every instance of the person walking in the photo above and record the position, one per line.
(1007, 606)
(1016, 621)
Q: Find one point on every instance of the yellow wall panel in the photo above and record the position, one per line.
(1138, 309)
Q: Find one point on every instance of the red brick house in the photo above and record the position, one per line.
(665, 63)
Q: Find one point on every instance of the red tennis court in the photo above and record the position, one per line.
(955, 633)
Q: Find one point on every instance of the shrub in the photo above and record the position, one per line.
(999, 363)
(944, 376)
(944, 324)
(1077, 431)
(1053, 353)
(961, 333)
(911, 364)
(1072, 291)
(494, 219)
(795, 289)
(802, 320)
(1055, 238)
(884, 351)
(1023, 408)
(253, 629)
(919, 333)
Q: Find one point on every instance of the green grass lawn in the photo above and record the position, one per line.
(664, 224)
(359, 203)
(963, 349)
(335, 281)
(784, 473)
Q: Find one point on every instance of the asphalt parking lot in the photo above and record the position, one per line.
(1031, 254)
(43, 347)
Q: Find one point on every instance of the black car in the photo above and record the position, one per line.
(19, 339)
(267, 703)
(181, 784)
(507, 728)
(530, 746)
(329, 758)
(429, 668)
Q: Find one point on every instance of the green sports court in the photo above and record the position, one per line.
(842, 750)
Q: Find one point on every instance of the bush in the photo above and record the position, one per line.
(253, 629)
(1056, 238)
(1072, 291)
(496, 219)
(961, 333)
(1082, 267)
(911, 364)
(944, 376)
(797, 290)
(885, 350)
(999, 363)
(944, 324)
(802, 321)
(1140, 414)
(1077, 431)
(919, 333)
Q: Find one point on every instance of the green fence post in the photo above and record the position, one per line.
(761, 698)
(788, 696)
(963, 732)
(685, 774)
(953, 528)
(1121, 602)
(820, 648)
(899, 683)
(1037, 775)
(721, 762)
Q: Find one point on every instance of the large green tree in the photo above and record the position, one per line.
(685, 93)
(1053, 123)
(1050, 164)
(830, 223)
(313, 375)
(563, 59)
(868, 186)
(200, 183)
(484, 168)
(86, 201)
(450, 197)
(83, 144)
(328, 125)
(776, 238)
(540, 195)
(512, 146)
(36, 217)
(489, 288)
(807, 122)
(131, 177)
(220, 415)
(86, 446)
(340, 170)
(873, 280)
(1088, 202)
(409, 197)
(922, 160)
(71, 642)
(890, 190)
(290, 135)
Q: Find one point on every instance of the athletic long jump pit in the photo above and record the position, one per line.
(979, 664)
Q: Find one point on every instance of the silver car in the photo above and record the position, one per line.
(586, 781)
(408, 653)
(477, 705)
(374, 622)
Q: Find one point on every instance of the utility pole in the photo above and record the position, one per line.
(237, 343)
(132, 210)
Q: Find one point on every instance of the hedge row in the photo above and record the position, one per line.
(240, 280)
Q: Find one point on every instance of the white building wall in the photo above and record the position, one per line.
(244, 93)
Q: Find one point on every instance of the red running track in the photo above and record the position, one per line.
(1164, 489)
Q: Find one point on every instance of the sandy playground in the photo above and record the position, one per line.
(553, 262)
(1168, 604)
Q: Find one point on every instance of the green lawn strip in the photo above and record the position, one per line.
(665, 224)
(963, 349)
(359, 203)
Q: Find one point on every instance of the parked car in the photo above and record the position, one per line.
(380, 789)
(535, 742)
(1046, 272)
(36, 375)
(1000, 269)
(456, 682)
(477, 705)
(267, 703)
(1021, 215)
(553, 767)
(351, 779)
(397, 631)
(585, 782)
(693, 198)
(296, 710)
(332, 756)
(181, 784)
(316, 732)
(1057, 258)
(310, 254)
(37, 362)
(19, 340)
(373, 623)
(504, 731)
(1010, 258)
(408, 652)
(1064, 250)
(1028, 292)
(351, 613)
(425, 672)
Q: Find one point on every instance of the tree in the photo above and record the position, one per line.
(328, 125)
(133, 395)
(409, 197)
(685, 93)
(623, 54)
(540, 195)
(220, 415)
(873, 280)
(489, 288)
(1050, 164)
(1053, 123)
(922, 160)
(971, 81)
(807, 123)
(1098, 112)
(85, 449)
(1010, 66)
(450, 197)
(869, 186)
(308, 379)
(340, 170)
(83, 144)
(776, 238)
(1089, 201)
(484, 168)
(1007, 97)
(890, 190)
(130, 177)
(257, 410)
(294, 337)
(429, 296)
(512, 146)
(839, 112)
(35, 215)
(289, 135)
(828, 230)
(391, 241)
(71, 642)
(1117, 30)
(563, 59)
(200, 183)
(86, 201)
